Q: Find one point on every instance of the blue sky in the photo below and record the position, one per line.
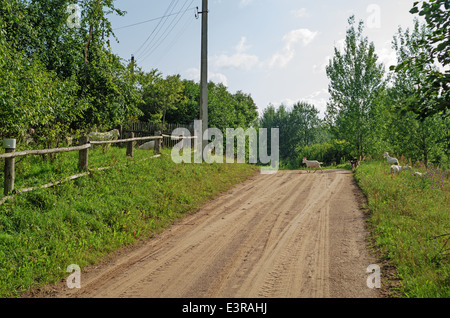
(275, 50)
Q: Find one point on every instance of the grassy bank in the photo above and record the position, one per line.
(410, 224)
(80, 221)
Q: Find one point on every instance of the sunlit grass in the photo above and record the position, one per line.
(78, 222)
(410, 222)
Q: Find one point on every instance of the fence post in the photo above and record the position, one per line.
(130, 145)
(10, 163)
(83, 155)
(158, 143)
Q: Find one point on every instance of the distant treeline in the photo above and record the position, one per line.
(404, 111)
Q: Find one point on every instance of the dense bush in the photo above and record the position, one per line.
(330, 153)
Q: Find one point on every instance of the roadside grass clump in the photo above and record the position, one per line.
(410, 225)
(80, 221)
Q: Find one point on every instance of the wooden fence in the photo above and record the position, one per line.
(83, 149)
(145, 128)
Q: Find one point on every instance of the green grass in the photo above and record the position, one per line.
(79, 222)
(32, 171)
(410, 225)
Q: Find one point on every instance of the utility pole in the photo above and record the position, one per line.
(204, 73)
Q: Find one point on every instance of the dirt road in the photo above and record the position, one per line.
(290, 234)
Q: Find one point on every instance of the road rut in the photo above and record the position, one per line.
(290, 234)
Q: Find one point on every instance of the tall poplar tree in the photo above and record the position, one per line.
(356, 79)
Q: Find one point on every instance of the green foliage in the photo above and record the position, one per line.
(174, 100)
(299, 127)
(409, 221)
(414, 136)
(330, 153)
(31, 96)
(56, 80)
(356, 80)
(432, 95)
(159, 95)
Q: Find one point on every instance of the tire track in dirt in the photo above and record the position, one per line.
(290, 234)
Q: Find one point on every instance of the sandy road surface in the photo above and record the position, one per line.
(290, 234)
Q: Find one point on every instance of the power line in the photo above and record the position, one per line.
(166, 33)
(177, 37)
(165, 16)
(157, 41)
(151, 20)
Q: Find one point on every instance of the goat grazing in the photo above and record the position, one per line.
(397, 169)
(312, 164)
(391, 160)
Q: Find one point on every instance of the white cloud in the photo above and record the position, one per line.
(318, 99)
(194, 74)
(300, 13)
(244, 3)
(239, 60)
(245, 61)
(387, 56)
(283, 57)
(218, 78)
(340, 44)
(321, 68)
(305, 35)
(242, 47)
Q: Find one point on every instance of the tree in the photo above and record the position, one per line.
(188, 109)
(32, 97)
(433, 92)
(70, 75)
(304, 117)
(355, 81)
(298, 127)
(411, 134)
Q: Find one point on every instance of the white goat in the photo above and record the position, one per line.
(391, 160)
(110, 135)
(420, 174)
(148, 145)
(397, 169)
(312, 164)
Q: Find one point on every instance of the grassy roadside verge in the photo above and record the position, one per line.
(410, 225)
(80, 221)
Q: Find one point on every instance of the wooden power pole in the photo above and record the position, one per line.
(204, 73)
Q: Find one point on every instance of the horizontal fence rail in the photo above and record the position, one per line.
(83, 150)
(179, 137)
(104, 142)
(43, 151)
